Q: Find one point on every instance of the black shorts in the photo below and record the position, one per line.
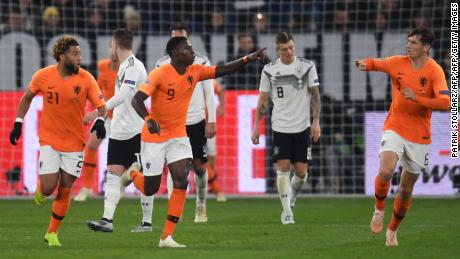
(293, 146)
(124, 152)
(196, 134)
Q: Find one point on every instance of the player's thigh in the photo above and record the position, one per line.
(66, 179)
(49, 163)
(415, 157)
(196, 135)
(122, 153)
(72, 162)
(301, 149)
(178, 149)
(153, 156)
(211, 148)
(391, 150)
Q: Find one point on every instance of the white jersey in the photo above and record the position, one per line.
(126, 123)
(291, 99)
(203, 95)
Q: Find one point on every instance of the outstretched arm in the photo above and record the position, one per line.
(261, 110)
(315, 111)
(233, 66)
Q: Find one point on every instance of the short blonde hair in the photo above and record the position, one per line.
(50, 11)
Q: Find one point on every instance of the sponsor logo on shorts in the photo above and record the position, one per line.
(276, 150)
(383, 143)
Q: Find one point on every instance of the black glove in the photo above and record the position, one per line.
(16, 132)
(99, 128)
(153, 126)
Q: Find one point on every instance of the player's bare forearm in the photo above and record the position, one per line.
(315, 102)
(138, 104)
(262, 107)
(233, 66)
(24, 104)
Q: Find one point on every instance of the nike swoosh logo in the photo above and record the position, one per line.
(399, 73)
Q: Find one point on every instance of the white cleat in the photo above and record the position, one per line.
(100, 225)
(169, 242)
(200, 214)
(220, 197)
(126, 176)
(391, 238)
(141, 229)
(83, 194)
(377, 221)
(287, 218)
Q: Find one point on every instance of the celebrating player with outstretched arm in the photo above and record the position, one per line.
(294, 88)
(418, 87)
(164, 136)
(65, 87)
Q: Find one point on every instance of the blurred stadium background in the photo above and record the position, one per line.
(332, 33)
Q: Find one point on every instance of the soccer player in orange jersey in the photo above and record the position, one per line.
(65, 87)
(211, 148)
(107, 70)
(418, 87)
(164, 137)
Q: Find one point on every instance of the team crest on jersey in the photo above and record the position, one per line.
(77, 89)
(190, 79)
(423, 81)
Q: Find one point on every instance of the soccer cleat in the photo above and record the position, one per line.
(52, 239)
(83, 194)
(220, 197)
(126, 177)
(287, 218)
(39, 198)
(142, 228)
(200, 214)
(391, 238)
(377, 221)
(169, 242)
(100, 225)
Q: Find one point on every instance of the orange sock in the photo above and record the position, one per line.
(381, 191)
(400, 209)
(59, 209)
(89, 167)
(138, 180)
(212, 180)
(175, 208)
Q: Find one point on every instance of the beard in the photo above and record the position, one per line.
(71, 68)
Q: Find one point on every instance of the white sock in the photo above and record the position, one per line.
(201, 184)
(147, 208)
(112, 195)
(169, 184)
(296, 186)
(282, 181)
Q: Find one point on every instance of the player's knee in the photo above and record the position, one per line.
(47, 190)
(151, 185)
(200, 170)
(181, 183)
(386, 172)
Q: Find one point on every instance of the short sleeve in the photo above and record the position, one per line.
(264, 81)
(440, 87)
(35, 82)
(94, 93)
(152, 82)
(206, 72)
(312, 77)
(132, 75)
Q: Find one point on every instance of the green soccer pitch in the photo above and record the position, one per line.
(239, 228)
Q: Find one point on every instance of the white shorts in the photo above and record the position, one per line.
(412, 156)
(211, 146)
(51, 160)
(154, 155)
(107, 124)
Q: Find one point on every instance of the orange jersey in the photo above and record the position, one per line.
(170, 95)
(106, 78)
(409, 119)
(64, 101)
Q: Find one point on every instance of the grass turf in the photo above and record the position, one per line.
(239, 228)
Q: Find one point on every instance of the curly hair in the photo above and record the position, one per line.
(62, 45)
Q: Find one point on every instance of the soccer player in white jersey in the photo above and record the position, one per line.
(124, 140)
(293, 85)
(198, 130)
